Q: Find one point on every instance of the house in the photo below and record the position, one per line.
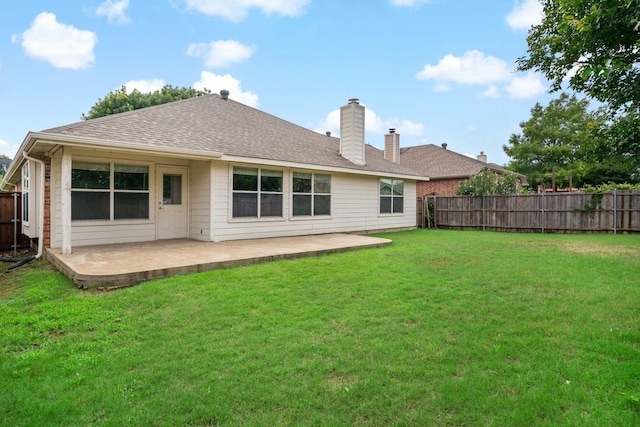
(206, 168)
(445, 168)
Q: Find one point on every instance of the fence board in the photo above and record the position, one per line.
(7, 222)
(616, 212)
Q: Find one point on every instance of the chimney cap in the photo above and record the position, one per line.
(392, 130)
(328, 133)
(224, 94)
(354, 101)
(444, 145)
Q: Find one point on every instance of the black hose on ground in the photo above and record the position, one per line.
(17, 262)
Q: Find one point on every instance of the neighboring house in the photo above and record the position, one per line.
(446, 169)
(206, 168)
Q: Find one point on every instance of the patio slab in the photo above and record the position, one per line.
(126, 264)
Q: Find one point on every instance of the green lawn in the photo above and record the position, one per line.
(441, 328)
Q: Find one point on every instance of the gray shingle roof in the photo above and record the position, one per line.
(436, 162)
(210, 124)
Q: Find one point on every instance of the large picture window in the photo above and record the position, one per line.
(108, 191)
(311, 194)
(391, 196)
(257, 193)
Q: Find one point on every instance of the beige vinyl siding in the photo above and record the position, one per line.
(86, 233)
(354, 208)
(200, 200)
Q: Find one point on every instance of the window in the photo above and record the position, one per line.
(107, 191)
(257, 193)
(25, 193)
(311, 194)
(391, 196)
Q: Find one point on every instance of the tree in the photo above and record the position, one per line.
(595, 46)
(488, 182)
(558, 136)
(594, 43)
(120, 100)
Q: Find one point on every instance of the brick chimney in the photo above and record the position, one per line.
(392, 146)
(352, 132)
(482, 157)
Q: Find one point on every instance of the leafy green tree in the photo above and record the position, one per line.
(558, 136)
(120, 101)
(594, 43)
(488, 182)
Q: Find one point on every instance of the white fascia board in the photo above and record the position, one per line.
(102, 144)
(295, 165)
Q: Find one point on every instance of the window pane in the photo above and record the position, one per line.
(271, 181)
(245, 205)
(130, 177)
(90, 175)
(131, 206)
(271, 205)
(245, 179)
(398, 204)
(302, 182)
(301, 205)
(322, 183)
(322, 205)
(171, 189)
(385, 187)
(88, 205)
(385, 205)
(25, 207)
(398, 188)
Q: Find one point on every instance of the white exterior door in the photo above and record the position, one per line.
(173, 202)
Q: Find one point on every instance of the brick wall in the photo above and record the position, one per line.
(438, 187)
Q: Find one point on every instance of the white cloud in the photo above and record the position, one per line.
(409, 3)
(114, 11)
(63, 46)
(7, 149)
(145, 86)
(491, 92)
(474, 67)
(237, 10)
(525, 87)
(525, 14)
(215, 83)
(372, 123)
(220, 53)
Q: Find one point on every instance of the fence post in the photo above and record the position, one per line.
(615, 211)
(484, 212)
(542, 212)
(15, 224)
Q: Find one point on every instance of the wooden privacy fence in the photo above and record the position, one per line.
(610, 212)
(11, 236)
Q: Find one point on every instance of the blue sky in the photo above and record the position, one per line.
(436, 70)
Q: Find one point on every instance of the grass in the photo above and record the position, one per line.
(442, 328)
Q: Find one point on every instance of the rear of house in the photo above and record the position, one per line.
(209, 169)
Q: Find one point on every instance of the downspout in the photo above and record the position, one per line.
(40, 204)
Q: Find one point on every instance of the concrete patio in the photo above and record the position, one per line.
(113, 266)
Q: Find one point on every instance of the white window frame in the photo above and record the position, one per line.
(391, 196)
(313, 193)
(259, 192)
(112, 191)
(26, 189)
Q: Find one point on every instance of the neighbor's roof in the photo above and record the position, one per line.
(209, 124)
(440, 163)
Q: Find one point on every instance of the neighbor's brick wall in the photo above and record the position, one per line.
(438, 187)
(46, 227)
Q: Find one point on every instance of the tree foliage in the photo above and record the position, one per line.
(594, 43)
(558, 136)
(120, 100)
(488, 182)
